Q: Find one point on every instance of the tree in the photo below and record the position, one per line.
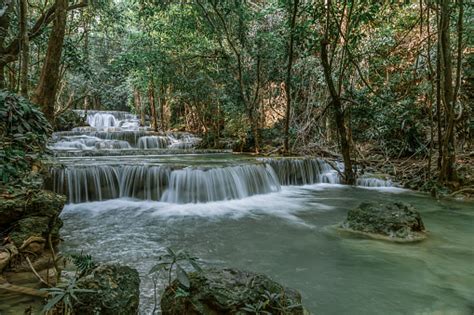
(336, 101)
(45, 94)
(294, 12)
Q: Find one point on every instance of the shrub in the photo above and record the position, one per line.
(24, 132)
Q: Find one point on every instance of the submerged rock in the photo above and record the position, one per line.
(398, 222)
(230, 291)
(116, 291)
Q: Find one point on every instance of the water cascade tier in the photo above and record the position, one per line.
(94, 172)
(191, 184)
(115, 130)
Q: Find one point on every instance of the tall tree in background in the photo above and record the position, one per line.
(335, 97)
(45, 94)
(294, 11)
(448, 92)
(25, 48)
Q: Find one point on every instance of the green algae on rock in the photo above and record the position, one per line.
(396, 222)
(230, 291)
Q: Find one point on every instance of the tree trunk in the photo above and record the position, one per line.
(339, 116)
(447, 172)
(139, 107)
(45, 95)
(162, 107)
(25, 48)
(336, 104)
(288, 75)
(151, 97)
(4, 26)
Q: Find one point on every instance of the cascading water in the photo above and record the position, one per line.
(191, 184)
(85, 179)
(373, 182)
(303, 171)
(194, 185)
(115, 130)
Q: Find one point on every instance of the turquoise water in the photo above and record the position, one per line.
(287, 236)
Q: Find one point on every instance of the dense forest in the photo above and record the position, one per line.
(385, 79)
(198, 156)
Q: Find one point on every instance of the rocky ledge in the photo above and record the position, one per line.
(230, 291)
(396, 222)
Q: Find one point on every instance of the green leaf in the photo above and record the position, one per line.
(52, 302)
(182, 276)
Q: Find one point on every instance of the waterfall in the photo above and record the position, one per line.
(192, 184)
(189, 185)
(373, 182)
(81, 184)
(153, 142)
(303, 171)
(84, 142)
(195, 185)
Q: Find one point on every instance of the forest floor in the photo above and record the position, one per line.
(420, 174)
(414, 172)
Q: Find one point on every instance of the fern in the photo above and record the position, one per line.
(83, 263)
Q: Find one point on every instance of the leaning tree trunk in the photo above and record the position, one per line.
(45, 94)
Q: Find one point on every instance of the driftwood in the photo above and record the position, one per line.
(23, 290)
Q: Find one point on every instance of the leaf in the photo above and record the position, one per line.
(158, 267)
(182, 277)
(195, 265)
(170, 251)
(52, 302)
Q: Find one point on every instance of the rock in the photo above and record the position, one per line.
(28, 213)
(117, 291)
(21, 204)
(396, 221)
(228, 291)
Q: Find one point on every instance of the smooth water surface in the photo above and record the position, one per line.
(287, 235)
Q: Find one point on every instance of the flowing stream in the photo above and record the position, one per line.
(265, 215)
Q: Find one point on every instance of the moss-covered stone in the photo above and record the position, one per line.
(229, 291)
(390, 221)
(29, 213)
(116, 291)
(21, 204)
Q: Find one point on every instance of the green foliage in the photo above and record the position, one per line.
(83, 263)
(271, 303)
(24, 132)
(62, 296)
(68, 120)
(174, 262)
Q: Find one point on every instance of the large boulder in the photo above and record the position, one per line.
(31, 213)
(395, 221)
(116, 291)
(229, 291)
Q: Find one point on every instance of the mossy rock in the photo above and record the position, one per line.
(22, 204)
(116, 291)
(229, 291)
(397, 221)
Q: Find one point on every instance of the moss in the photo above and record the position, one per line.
(228, 291)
